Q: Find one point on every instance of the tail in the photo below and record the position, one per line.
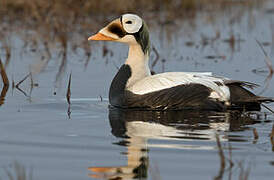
(241, 98)
(262, 99)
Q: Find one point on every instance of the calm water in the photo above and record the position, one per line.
(37, 134)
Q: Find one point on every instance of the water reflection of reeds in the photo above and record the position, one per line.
(17, 171)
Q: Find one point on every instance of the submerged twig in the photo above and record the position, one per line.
(105, 50)
(69, 111)
(272, 132)
(255, 135)
(244, 173)
(17, 85)
(222, 159)
(88, 53)
(231, 164)
(272, 137)
(31, 79)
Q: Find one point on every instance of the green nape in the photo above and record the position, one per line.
(142, 37)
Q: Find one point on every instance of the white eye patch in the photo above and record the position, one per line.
(131, 23)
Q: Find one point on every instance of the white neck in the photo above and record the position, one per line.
(138, 61)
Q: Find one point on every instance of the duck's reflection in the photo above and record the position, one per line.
(181, 128)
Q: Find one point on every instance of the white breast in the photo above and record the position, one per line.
(170, 79)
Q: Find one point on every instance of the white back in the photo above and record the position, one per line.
(171, 79)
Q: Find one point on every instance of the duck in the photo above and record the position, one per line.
(134, 86)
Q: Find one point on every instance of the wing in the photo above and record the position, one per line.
(172, 79)
(186, 96)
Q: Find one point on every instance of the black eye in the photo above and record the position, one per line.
(129, 22)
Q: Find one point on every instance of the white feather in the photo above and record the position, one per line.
(146, 130)
(170, 79)
(134, 26)
(138, 61)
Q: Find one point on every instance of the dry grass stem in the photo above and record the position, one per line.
(267, 83)
(267, 108)
(68, 96)
(267, 59)
(3, 94)
(270, 68)
(68, 90)
(4, 74)
(156, 58)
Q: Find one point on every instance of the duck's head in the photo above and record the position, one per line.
(129, 28)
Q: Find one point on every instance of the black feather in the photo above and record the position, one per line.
(116, 29)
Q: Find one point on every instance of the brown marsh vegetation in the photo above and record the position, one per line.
(54, 23)
(47, 27)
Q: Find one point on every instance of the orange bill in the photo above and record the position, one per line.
(100, 169)
(100, 37)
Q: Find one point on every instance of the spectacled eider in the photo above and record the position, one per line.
(135, 87)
